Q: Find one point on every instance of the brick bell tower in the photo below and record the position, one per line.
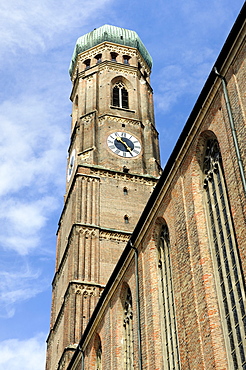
(113, 165)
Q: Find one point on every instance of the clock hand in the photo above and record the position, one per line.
(125, 144)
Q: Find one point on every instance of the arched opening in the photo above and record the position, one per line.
(120, 95)
(230, 282)
(126, 219)
(166, 295)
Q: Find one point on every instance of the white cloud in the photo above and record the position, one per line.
(22, 222)
(32, 25)
(18, 284)
(30, 144)
(32, 152)
(184, 77)
(26, 354)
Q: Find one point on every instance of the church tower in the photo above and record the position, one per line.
(113, 165)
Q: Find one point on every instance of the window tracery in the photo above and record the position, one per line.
(225, 256)
(128, 331)
(120, 96)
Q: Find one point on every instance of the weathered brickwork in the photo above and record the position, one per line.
(179, 201)
(105, 192)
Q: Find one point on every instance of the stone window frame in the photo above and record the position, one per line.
(224, 250)
(166, 299)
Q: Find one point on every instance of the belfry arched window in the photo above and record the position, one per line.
(224, 250)
(120, 96)
(128, 332)
(98, 58)
(126, 59)
(169, 328)
(87, 63)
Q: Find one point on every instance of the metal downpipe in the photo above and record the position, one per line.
(138, 308)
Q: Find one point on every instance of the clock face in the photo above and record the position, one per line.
(124, 144)
(71, 165)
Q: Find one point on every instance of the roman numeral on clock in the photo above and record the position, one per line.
(124, 144)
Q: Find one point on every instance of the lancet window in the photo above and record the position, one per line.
(120, 96)
(99, 357)
(225, 256)
(169, 329)
(128, 332)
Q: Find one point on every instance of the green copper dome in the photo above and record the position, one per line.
(113, 34)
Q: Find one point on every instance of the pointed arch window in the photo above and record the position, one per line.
(230, 282)
(128, 332)
(120, 96)
(169, 327)
(99, 357)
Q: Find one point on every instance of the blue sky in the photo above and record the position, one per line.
(36, 44)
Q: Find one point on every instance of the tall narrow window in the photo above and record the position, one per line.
(225, 256)
(128, 331)
(99, 357)
(170, 339)
(120, 96)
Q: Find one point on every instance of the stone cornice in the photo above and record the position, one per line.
(109, 46)
(74, 286)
